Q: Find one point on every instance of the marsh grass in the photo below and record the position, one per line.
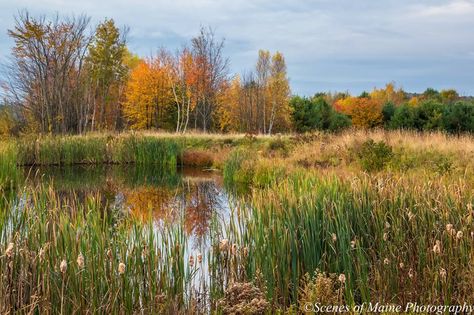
(9, 174)
(42, 271)
(379, 231)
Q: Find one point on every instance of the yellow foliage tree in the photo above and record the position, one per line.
(388, 94)
(148, 94)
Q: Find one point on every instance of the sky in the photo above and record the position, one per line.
(329, 45)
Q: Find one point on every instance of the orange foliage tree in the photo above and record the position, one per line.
(364, 112)
(148, 94)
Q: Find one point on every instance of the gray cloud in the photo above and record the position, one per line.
(329, 44)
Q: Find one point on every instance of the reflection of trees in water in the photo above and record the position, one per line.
(144, 202)
(200, 203)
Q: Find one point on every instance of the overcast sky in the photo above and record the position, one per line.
(328, 44)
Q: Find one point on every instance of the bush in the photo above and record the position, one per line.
(403, 118)
(459, 117)
(373, 156)
(429, 116)
(388, 110)
(316, 114)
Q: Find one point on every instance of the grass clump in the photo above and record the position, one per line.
(373, 156)
(9, 173)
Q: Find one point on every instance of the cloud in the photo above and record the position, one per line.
(328, 44)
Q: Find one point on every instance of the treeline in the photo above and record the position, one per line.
(66, 78)
(388, 108)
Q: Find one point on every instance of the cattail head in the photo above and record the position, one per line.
(80, 261)
(437, 247)
(191, 261)
(449, 227)
(442, 273)
(342, 278)
(63, 266)
(459, 235)
(353, 243)
(334, 237)
(9, 250)
(121, 268)
(223, 244)
(199, 258)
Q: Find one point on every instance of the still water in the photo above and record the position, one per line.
(190, 196)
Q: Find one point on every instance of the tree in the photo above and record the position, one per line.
(364, 112)
(428, 115)
(46, 76)
(211, 70)
(263, 73)
(449, 96)
(316, 114)
(107, 72)
(388, 110)
(459, 117)
(149, 95)
(279, 89)
(403, 118)
(388, 94)
(183, 77)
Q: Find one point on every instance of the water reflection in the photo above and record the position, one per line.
(191, 195)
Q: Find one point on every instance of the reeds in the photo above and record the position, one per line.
(69, 258)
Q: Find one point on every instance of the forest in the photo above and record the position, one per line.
(65, 77)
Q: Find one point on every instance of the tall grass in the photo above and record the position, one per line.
(9, 174)
(69, 258)
(382, 232)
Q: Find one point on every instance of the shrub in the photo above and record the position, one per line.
(388, 110)
(459, 117)
(373, 156)
(403, 118)
(428, 116)
(316, 114)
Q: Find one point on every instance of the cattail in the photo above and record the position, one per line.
(334, 237)
(109, 253)
(449, 227)
(386, 261)
(121, 268)
(459, 235)
(223, 244)
(353, 244)
(442, 273)
(191, 261)
(80, 261)
(199, 258)
(437, 247)
(63, 266)
(9, 250)
(342, 278)
(410, 273)
(385, 236)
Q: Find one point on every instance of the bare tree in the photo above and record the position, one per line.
(212, 72)
(46, 73)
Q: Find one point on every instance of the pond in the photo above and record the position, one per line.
(190, 196)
